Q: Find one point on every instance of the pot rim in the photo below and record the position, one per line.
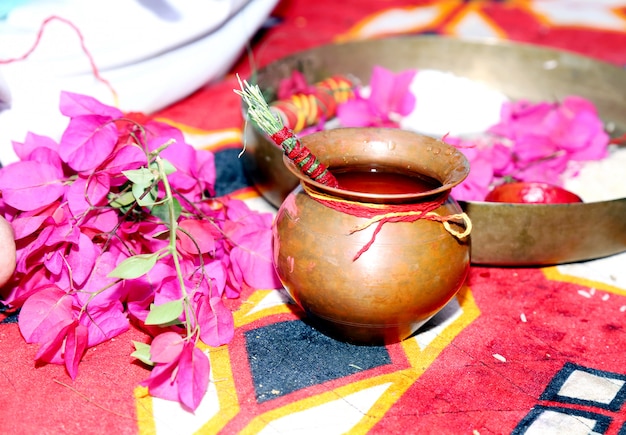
(372, 136)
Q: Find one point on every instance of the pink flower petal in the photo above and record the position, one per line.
(253, 257)
(476, 186)
(54, 262)
(390, 92)
(215, 320)
(88, 192)
(197, 237)
(295, 84)
(355, 113)
(87, 142)
(532, 147)
(389, 95)
(29, 185)
(48, 309)
(52, 343)
(73, 105)
(105, 322)
(193, 376)
(26, 223)
(40, 149)
(162, 381)
(82, 259)
(101, 221)
(166, 347)
(75, 347)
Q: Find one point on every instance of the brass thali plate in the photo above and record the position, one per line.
(503, 234)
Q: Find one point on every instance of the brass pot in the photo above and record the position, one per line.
(410, 271)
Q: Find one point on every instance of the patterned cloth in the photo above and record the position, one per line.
(524, 351)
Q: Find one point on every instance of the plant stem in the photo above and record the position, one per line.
(173, 227)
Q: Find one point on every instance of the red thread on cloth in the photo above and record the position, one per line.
(81, 38)
(413, 212)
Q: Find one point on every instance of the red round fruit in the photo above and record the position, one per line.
(531, 193)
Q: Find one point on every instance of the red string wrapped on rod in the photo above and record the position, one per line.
(304, 109)
(260, 113)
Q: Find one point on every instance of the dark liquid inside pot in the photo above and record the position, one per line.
(383, 181)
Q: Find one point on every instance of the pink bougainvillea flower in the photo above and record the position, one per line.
(45, 319)
(195, 169)
(295, 84)
(104, 322)
(166, 347)
(29, 185)
(87, 142)
(249, 236)
(215, 320)
(197, 236)
(81, 259)
(578, 130)
(184, 379)
(521, 117)
(76, 343)
(140, 292)
(546, 171)
(50, 308)
(57, 233)
(390, 93)
(35, 147)
(476, 185)
(162, 380)
(168, 290)
(74, 105)
(545, 137)
(193, 376)
(99, 222)
(501, 160)
(389, 99)
(122, 159)
(88, 192)
(27, 223)
(251, 258)
(75, 223)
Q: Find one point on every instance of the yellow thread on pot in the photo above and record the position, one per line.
(420, 214)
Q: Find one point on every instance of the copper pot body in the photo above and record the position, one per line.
(410, 272)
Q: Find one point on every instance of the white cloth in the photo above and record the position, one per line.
(153, 52)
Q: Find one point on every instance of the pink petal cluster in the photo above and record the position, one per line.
(181, 370)
(296, 83)
(389, 99)
(59, 199)
(532, 142)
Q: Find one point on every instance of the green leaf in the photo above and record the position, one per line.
(168, 168)
(165, 313)
(142, 352)
(135, 266)
(162, 211)
(142, 177)
(144, 199)
(123, 200)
